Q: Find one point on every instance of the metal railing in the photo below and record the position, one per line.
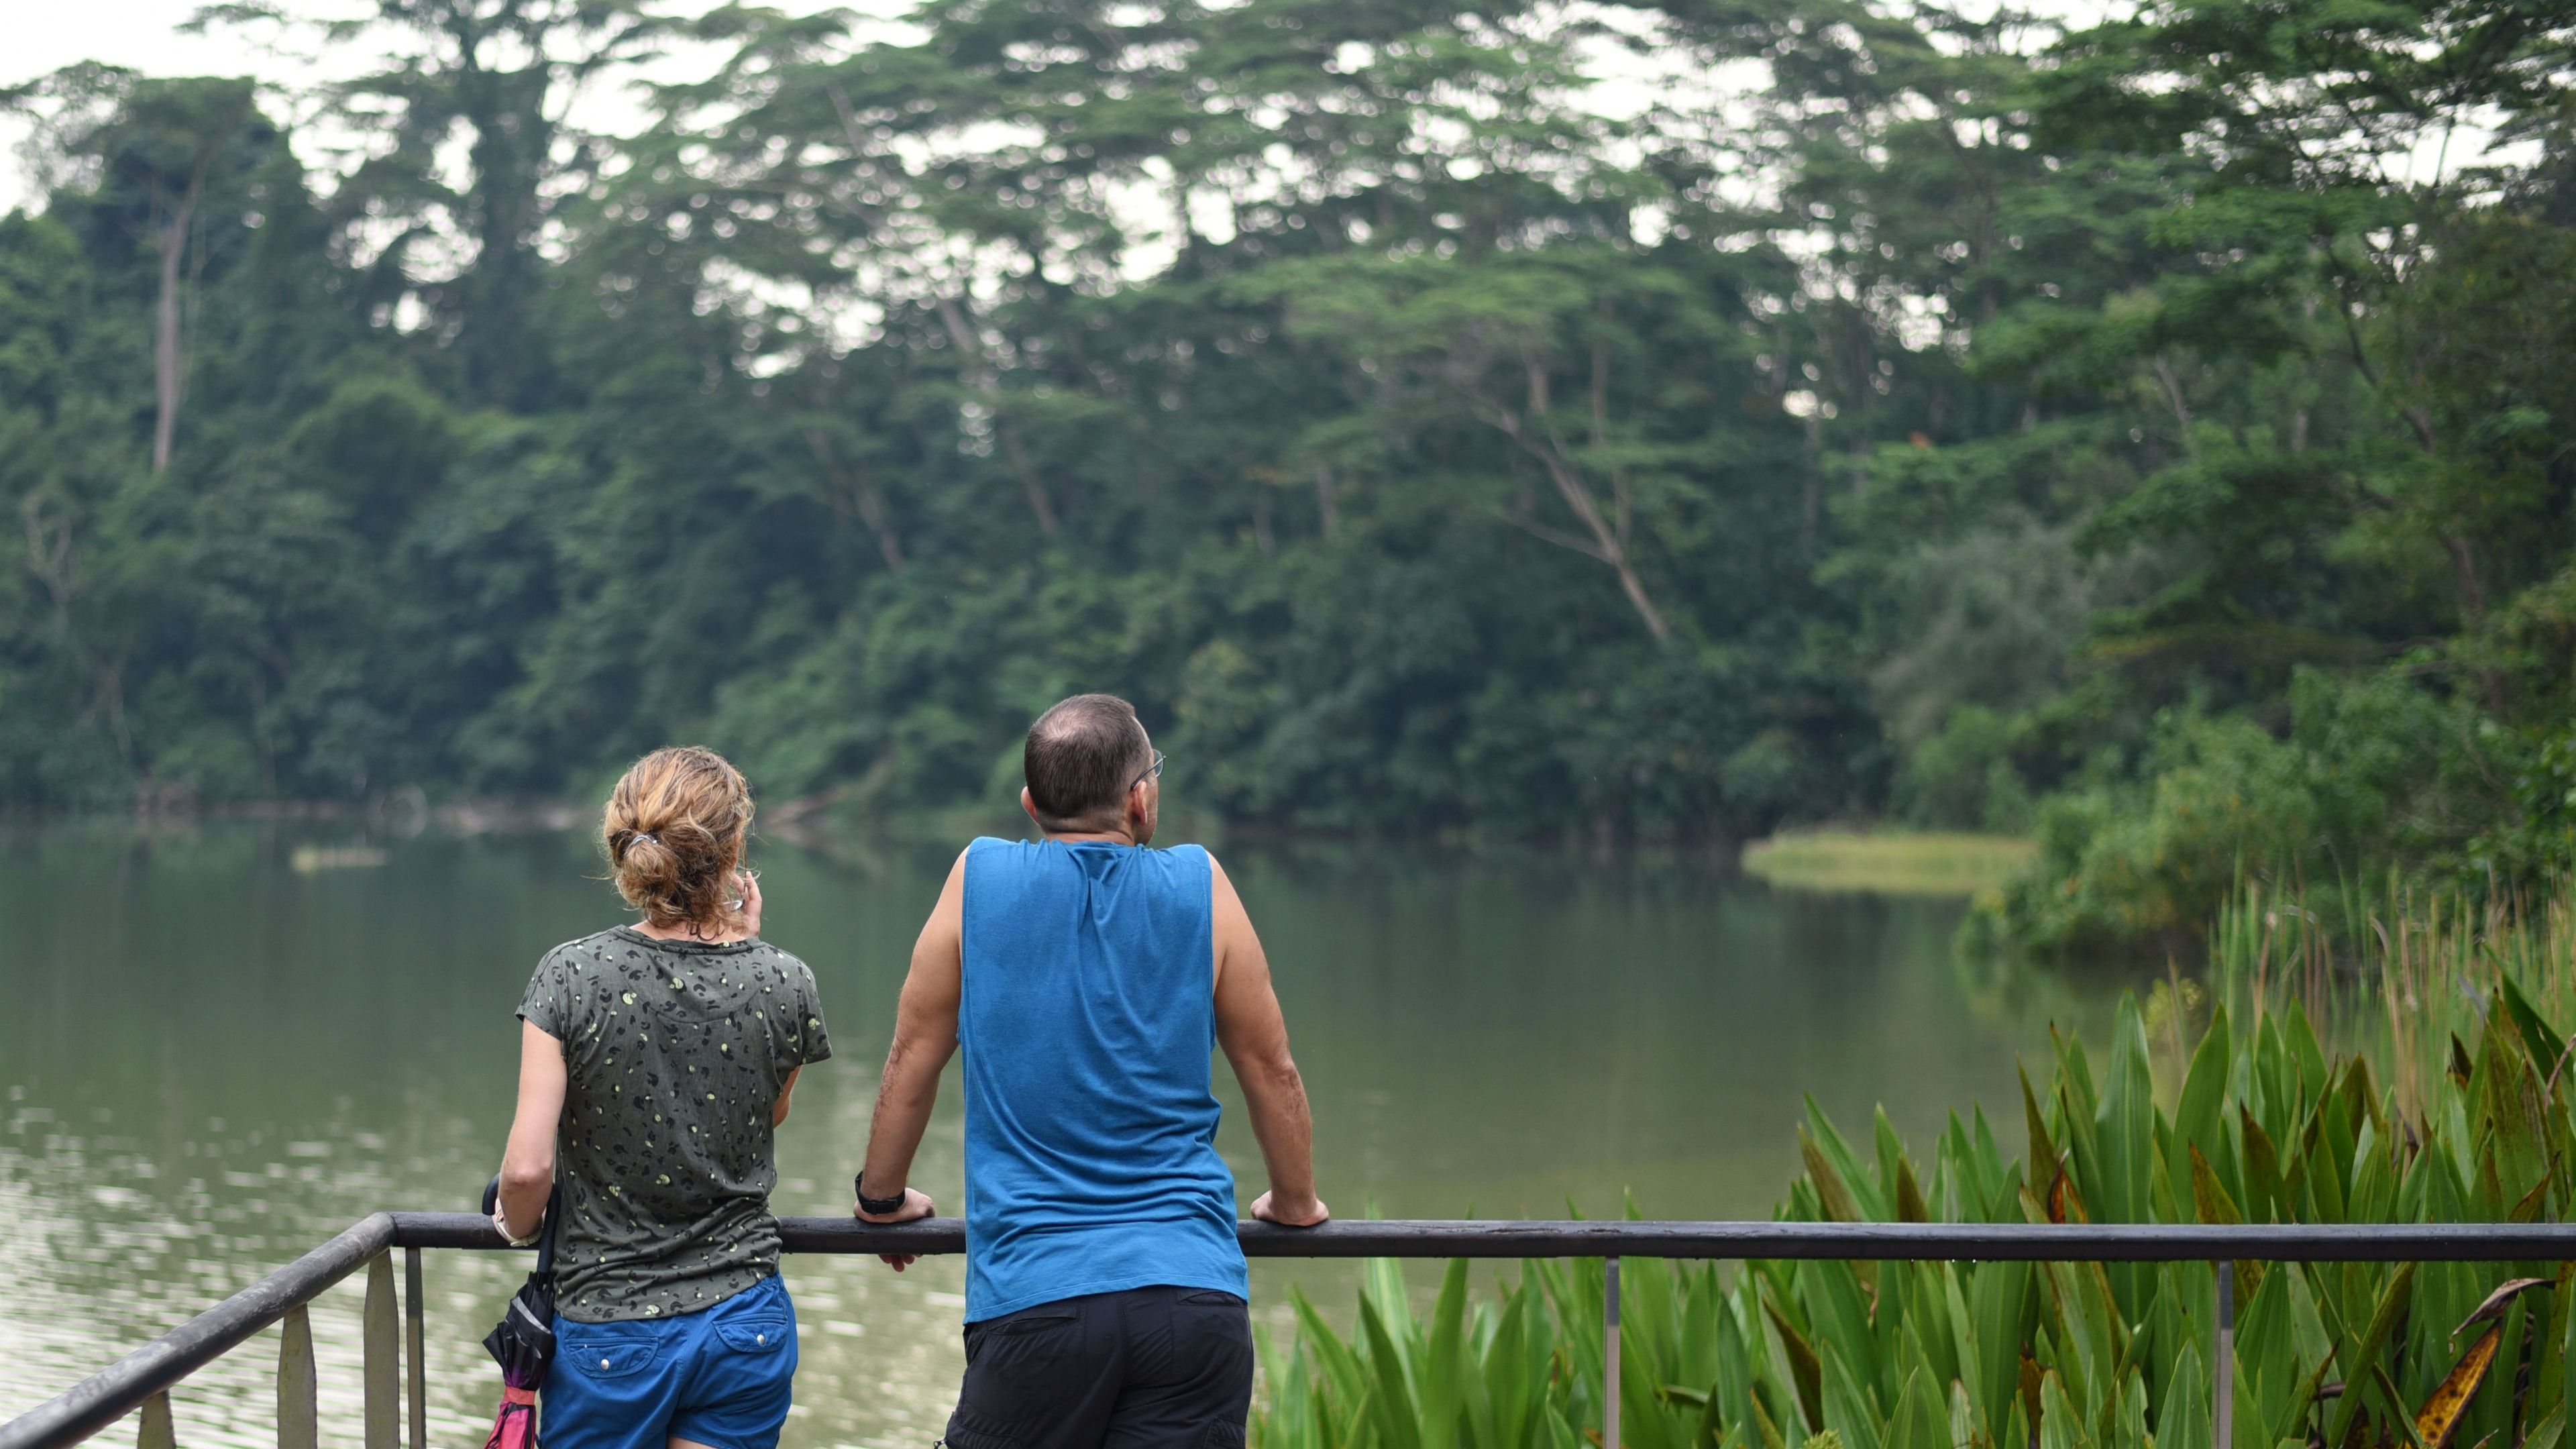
(142, 1379)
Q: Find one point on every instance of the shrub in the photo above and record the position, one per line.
(2265, 1127)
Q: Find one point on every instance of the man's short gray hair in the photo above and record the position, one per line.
(1081, 756)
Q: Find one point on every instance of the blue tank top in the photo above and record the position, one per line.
(1086, 1023)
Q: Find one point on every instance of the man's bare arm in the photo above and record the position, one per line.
(1255, 1037)
(925, 1037)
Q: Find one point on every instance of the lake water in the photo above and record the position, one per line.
(211, 1059)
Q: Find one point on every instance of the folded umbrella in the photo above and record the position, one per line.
(523, 1342)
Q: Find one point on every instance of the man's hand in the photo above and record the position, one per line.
(916, 1204)
(1305, 1214)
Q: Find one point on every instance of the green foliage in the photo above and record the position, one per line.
(2256, 1123)
(2144, 435)
(2369, 771)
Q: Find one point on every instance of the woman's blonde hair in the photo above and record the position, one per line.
(674, 832)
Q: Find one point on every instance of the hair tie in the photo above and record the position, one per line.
(645, 835)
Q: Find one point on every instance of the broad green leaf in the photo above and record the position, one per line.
(1918, 1422)
(1850, 1411)
(1805, 1366)
(2359, 1357)
(2186, 1421)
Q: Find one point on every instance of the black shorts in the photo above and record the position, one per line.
(1169, 1368)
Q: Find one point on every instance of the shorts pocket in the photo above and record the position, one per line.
(1211, 1298)
(1029, 1320)
(969, 1430)
(609, 1358)
(757, 1336)
(1026, 1341)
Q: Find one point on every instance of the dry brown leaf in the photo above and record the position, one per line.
(2441, 1413)
(2494, 1306)
(2064, 1202)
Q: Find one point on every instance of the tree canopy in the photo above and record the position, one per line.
(1636, 420)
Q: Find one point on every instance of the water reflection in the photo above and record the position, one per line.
(213, 1061)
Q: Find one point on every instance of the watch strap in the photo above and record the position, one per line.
(873, 1206)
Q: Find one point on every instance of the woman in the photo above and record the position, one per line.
(654, 1060)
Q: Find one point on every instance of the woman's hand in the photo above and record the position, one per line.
(750, 902)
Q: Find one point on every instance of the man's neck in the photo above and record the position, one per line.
(1119, 836)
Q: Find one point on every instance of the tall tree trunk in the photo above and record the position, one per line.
(169, 359)
(55, 561)
(504, 209)
(988, 380)
(2180, 405)
(1324, 499)
(1599, 539)
(2464, 573)
(1811, 490)
(855, 494)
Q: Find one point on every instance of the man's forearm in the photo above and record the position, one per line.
(904, 1099)
(1285, 1127)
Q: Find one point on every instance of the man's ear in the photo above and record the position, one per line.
(1029, 804)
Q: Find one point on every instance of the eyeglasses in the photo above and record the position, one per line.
(1153, 771)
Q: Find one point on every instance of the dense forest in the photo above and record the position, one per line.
(1624, 421)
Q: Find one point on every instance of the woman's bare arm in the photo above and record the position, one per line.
(528, 1165)
(786, 1089)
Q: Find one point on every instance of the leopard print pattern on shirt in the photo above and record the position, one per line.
(676, 1052)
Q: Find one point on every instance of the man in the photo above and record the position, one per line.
(1087, 976)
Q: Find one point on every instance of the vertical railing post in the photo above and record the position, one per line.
(156, 1431)
(1609, 1353)
(382, 1364)
(2223, 1369)
(299, 1418)
(414, 1343)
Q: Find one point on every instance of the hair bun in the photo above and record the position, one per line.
(673, 832)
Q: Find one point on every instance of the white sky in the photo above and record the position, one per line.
(43, 36)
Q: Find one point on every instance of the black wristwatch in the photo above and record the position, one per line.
(874, 1206)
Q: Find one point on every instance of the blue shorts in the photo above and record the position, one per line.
(723, 1376)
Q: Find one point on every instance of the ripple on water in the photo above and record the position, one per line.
(104, 1250)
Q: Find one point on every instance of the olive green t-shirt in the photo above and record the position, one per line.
(675, 1051)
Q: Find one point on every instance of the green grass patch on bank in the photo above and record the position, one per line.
(1901, 862)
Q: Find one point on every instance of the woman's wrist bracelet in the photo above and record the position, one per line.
(500, 1224)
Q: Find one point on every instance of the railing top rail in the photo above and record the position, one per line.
(102, 1398)
(1967, 1242)
(118, 1389)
